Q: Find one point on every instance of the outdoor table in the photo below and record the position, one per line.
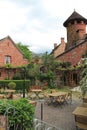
(32, 102)
(36, 91)
(80, 114)
(1, 96)
(56, 95)
(9, 91)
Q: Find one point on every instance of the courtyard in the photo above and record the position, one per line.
(59, 116)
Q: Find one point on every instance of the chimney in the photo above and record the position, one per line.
(62, 40)
(55, 45)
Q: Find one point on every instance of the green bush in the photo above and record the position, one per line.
(20, 113)
(12, 85)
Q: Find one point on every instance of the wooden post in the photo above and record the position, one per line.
(41, 111)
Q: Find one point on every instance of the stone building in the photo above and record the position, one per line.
(10, 55)
(76, 45)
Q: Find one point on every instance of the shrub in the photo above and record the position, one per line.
(20, 113)
(12, 85)
(83, 82)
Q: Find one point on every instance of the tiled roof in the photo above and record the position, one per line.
(74, 16)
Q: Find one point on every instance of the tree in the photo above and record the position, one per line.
(25, 50)
(48, 61)
(83, 82)
(49, 65)
(33, 72)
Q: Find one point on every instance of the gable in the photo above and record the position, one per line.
(8, 38)
(9, 48)
(59, 49)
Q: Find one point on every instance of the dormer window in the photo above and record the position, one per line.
(7, 59)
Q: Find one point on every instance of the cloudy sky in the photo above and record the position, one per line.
(37, 23)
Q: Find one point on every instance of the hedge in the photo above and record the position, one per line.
(20, 84)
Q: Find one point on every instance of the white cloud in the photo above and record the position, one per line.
(37, 23)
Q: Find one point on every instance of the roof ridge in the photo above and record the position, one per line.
(74, 16)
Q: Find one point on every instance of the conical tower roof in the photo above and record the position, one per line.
(74, 16)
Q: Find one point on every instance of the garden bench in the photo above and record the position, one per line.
(80, 114)
(81, 126)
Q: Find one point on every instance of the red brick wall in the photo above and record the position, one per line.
(74, 56)
(75, 32)
(60, 49)
(4, 73)
(7, 47)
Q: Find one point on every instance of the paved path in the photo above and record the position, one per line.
(58, 116)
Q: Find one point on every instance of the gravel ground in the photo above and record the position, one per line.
(59, 116)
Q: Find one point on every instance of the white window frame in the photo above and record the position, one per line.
(7, 59)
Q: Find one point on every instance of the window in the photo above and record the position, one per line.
(0, 74)
(7, 59)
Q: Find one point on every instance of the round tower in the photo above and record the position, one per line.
(76, 29)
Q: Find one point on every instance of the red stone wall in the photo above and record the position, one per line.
(75, 32)
(74, 56)
(7, 47)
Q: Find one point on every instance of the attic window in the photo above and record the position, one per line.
(82, 22)
(72, 22)
(79, 21)
(7, 59)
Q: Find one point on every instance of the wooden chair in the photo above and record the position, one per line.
(41, 96)
(60, 100)
(47, 98)
(32, 96)
(69, 98)
(53, 91)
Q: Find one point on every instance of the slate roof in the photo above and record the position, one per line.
(74, 16)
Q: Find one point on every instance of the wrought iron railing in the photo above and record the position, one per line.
(42, 125)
